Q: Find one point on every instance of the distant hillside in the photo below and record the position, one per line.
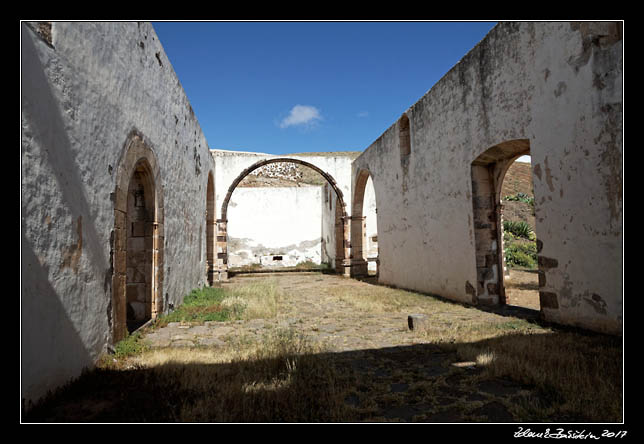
(290, 174)
(517, 180)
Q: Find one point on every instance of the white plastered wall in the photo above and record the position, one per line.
(82, 94)
(556, 85)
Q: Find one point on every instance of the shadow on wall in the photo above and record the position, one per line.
(43, 110)
(51, 349)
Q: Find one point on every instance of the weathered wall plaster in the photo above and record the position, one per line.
(230, 164)
(233, 166)
(85, 89)
(557, 86)
(89, 91)
(265, 222)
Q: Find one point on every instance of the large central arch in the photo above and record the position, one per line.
(342, 263)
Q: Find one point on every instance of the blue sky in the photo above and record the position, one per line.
(288, 87)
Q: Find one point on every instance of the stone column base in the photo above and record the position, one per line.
(359, 267)
(343, 267)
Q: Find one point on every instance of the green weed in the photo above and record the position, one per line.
(200, 305)
(519, 229)
(129, 346)
(521, 254)
(521, 197)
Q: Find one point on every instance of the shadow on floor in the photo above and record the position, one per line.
(417, 383)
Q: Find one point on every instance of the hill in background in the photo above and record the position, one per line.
(290, 174)
(518, 180)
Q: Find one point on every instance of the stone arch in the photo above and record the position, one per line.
(488, 171)
(359, 264)
(137, 249)
(211, 221)
(342, 225)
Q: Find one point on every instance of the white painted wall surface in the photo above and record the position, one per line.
(81, 97)
(230, 164)
(265, 221)
(558, 85)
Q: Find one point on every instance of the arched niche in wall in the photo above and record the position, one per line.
(137, 247)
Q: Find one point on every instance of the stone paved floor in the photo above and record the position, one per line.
(383, 372)
(378, 346)
(309, 310)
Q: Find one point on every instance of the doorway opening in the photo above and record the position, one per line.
(210, 230)
(364, 228)
(137, 244)
(504, 226)
(139, 259)
(519, 236)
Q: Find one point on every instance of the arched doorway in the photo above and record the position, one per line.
(342, 264)
(364, 231)
(519, 242)
(210, 230)
(488, 172)
(137, 248)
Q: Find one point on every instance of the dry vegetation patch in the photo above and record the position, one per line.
(331, 349)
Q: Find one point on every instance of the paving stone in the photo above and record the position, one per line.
(418, 321)
(256, 323)
(199, 330)
(495, 412)
(221, 331)
(158, 341)
(403, 412)
(181, 337)
(452, 414)
(213, 324)
(175, 325)
(377, 345)
(499, 387)
(352, 400)
(211, 342)
(435, 371)
(398, 387)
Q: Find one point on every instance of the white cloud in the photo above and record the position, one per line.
(301, 115)
(363, 114)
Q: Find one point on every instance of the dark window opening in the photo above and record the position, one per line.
(405, 137)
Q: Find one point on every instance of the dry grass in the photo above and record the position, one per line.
(279, 379)
(576, 375)
(571, 374)
(381, 299)
(252, 301)
(256, 300)
(283, 377)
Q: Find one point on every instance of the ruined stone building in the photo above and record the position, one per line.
(124, 208)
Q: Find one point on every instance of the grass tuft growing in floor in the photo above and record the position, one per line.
(252, 301)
